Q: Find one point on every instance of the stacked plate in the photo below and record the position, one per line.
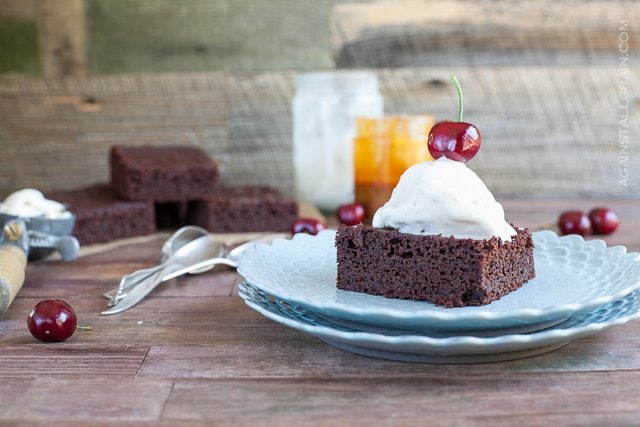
(581, 287)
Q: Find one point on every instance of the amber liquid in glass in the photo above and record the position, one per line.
(383, 150)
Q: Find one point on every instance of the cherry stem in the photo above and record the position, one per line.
(456, 83)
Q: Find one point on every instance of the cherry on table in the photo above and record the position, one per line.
(574, 222)
(52, 320)
(351, 213)
(603, 220)
(307, 225)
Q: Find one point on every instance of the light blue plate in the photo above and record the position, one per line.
(441, 348)
(573, 276)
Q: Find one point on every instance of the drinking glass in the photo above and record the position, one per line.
(383, 149)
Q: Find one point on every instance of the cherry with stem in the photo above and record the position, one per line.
(459, 140)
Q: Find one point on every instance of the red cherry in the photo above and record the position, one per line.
(351, 213)
(603, 220)
(458, 141)
(52, 320)
(574, 222)
(307, 225)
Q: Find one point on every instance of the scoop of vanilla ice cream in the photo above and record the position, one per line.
(29, 203)
(443, 197)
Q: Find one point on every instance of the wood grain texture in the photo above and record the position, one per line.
(78, 120)
(540, 134)
(193, 354)
(28, 359)
(62, 38)
(24, 10)
(19, 50)
(366, 401)
(411, 33)
(133, 36)
(113, 400)
(260, 133)
(295, 354)
(547, 131)
(151, 35)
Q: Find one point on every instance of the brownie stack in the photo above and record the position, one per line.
(241, 209)
(166, 187)
(162, 174)
(101, 216)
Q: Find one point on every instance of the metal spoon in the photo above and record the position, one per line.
(145, 287)
(192, 253)
(176, 241)
(229, 259)
(180, 238)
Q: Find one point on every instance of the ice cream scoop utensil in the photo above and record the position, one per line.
(14, 248)
(67, 246)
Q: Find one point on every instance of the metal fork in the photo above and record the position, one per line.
(231, 255)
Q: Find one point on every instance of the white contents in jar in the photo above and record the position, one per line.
(324, 111)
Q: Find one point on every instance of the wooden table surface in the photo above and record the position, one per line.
(193, 353)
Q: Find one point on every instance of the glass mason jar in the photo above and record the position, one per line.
(324, 110)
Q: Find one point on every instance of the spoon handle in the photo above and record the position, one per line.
(133, 293)
(140, 290)
(209, 263)
(129, 281)
(168, 272)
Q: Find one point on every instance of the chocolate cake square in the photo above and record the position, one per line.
(101, 216)
(162, 174)
(446, 271)
(243, 209)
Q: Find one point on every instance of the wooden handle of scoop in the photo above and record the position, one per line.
(13, 262)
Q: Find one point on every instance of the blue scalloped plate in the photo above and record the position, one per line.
(573, 276)
(441, 348)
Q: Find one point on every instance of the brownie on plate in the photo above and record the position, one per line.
(101, 216)
(446, 271)
(243, 209)
(162, 174)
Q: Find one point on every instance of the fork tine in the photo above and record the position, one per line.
(127, 282)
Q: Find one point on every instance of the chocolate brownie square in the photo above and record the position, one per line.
(243, 209)
(443, 270)
(101, 216)
(162, 174)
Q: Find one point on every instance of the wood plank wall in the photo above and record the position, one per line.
(126, 36)
(541, 80)
(409, 33)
